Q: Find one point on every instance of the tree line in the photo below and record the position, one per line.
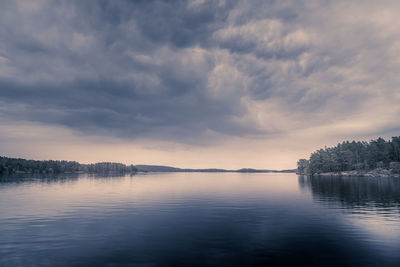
(348, 156)
(15, 165)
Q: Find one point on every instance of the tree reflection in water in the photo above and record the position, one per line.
(354, 192)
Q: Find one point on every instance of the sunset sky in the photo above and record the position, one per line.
(196, 84)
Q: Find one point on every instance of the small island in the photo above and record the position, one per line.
(17, 165)
(377, 158)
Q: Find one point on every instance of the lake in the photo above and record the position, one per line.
(199, 219)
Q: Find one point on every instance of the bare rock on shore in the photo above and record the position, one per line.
(379, 172)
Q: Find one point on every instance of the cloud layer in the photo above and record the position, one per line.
(194, 72)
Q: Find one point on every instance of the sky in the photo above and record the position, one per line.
(196, 84)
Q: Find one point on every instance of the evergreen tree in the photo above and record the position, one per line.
(347, 156)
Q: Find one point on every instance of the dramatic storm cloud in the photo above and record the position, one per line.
(259, 82)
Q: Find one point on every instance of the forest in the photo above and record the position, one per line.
(359, 156)
(15, 165)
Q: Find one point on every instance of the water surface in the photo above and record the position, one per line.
(197, 219)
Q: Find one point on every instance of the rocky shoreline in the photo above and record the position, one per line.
(379, 172)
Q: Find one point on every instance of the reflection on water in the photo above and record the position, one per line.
(355, 191)
(371, 204)
(227, 219)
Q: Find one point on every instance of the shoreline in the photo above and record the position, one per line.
(379, 172)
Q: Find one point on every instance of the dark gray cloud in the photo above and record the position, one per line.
(178, 70)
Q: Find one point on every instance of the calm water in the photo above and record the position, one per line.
(197, 219)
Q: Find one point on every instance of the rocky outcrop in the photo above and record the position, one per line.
(379, 172)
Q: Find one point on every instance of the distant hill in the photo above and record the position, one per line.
(157, 168)
(257, 170)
